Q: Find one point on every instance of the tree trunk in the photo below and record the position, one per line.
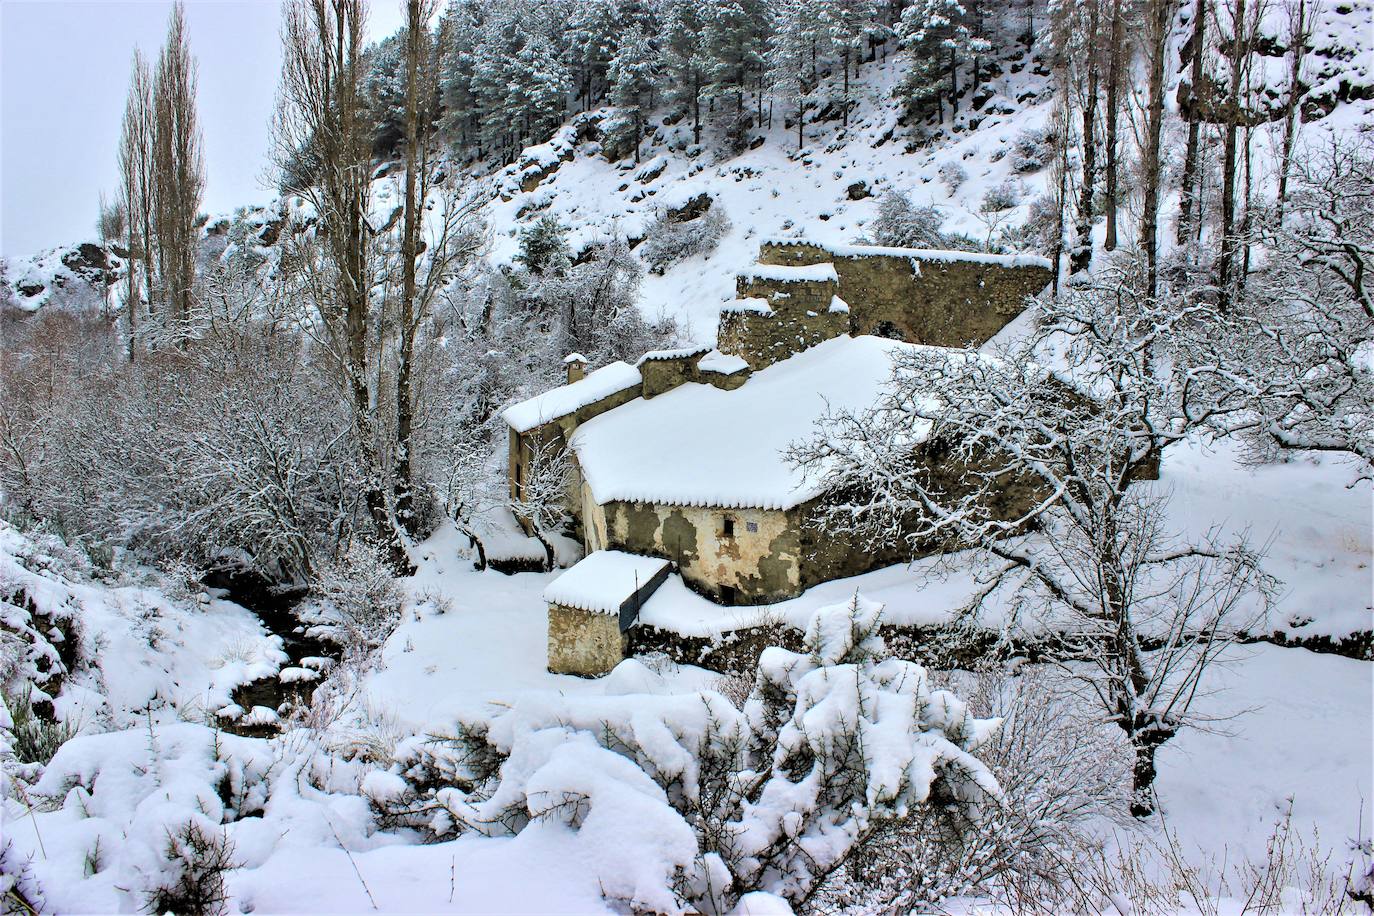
(953, 87)
(1188, 201)
(1160, 13)
(1297, 45)
(1083, 250)
(403, 482)
(1143, 775)
(1114, 66)
(1239, 49)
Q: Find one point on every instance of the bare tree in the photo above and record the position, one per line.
(1292, 371)
(1239, 42)
(1118, 61)
(1188, 198)
(452, 241)
(323, 143)
(1141, 613)
(135, 173)
(178, 179)
(541, 502)
(1302, 17)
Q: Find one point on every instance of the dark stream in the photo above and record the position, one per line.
(275, 606)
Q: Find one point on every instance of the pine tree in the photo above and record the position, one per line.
(847, 26)
(938, 36)
(633, 75)
(791, 48)
(736, 33)
(684, 59)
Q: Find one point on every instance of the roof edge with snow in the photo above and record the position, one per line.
(920, 254)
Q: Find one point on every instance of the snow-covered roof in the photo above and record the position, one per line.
(563, 400)
(838, 305)
(921, 254)
(786, 273)
(602, 581)
(700, 446)
(722, 363)
(678, 353)
(575, 358)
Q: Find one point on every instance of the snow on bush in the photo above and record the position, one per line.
(691, 801)
(1002, 196)
(355, 601)
(1032, 150)
(902, 224)
(669, 240)
(153, 817)
(952, 175)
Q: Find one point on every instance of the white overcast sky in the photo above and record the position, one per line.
(64, 72)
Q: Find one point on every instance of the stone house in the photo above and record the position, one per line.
(683, 456)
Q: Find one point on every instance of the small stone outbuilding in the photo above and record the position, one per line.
(592, 605)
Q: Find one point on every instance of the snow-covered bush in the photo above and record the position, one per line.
(833, 744)
(1032, 150)
(669, 240)
(1061, 772)
(33, 738)
(952, 175)
(193, 878)
(1002, 196)
(902, 224)
(354, 601)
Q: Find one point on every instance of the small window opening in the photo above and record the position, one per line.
(729, 594)
(751, 527)
(729, 530)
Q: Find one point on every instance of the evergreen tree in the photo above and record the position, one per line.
(939, 35)
(633, 75)
(847, 25)
(684, 59)
(792, 46)
(544, 248)
(736, 33)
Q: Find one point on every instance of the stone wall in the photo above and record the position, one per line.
(583, 642)
(799, 316)
(942, 299)
(661, 375)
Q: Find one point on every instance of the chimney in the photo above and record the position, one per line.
(577, 367)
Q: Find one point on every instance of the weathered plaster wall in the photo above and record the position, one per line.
(949, 303)
(582, 642)
(761, 565)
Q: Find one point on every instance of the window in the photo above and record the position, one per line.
(751, 527)
(729, 594)
(729, 529)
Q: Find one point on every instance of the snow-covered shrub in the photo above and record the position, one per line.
(1002, 196)
(354, 601)
(1032, 150)
(193, 877)
(668, 240)
(902, 224)
(833, 744)
(1061, 771)
(33, 738)
(952, 175)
